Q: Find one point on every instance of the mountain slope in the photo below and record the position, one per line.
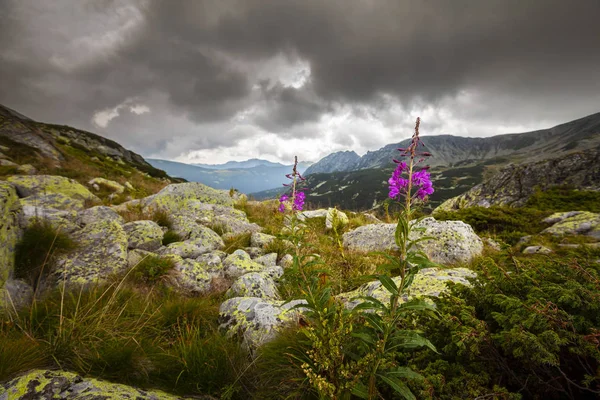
(335, 162)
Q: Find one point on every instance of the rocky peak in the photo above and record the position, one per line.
(335, 162)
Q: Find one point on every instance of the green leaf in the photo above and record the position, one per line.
(375, 321)
(388, 283)
(360, 390)
(416, 305)
(398, 386)
(404, 372)
(365, 337)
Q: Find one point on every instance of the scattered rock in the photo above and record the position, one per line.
(61, 220)
(268, 260)
(175, 197)
(257, 321)
(254, 284)
(7, 163)
(428, 282)
(536, 250)
(211, 260)
(98, 214)
(113, 186)
(574, 223)
(492, 244)
(135, 256)
(129, 187)
(286, 261)
(45, 384)
(337, 217)
(194, 248)
(15, 295)
(524, 239)
(254, 252)
(261, 239)
(304, 215)
(452, 241)
(42, 185)
(192, 277)
(239, 263)
(10, 212)
(372, 219)
(144, 235)
(27, 169)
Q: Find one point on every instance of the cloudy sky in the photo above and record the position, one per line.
(217, 80)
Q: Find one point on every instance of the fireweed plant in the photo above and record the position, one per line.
(354, 352)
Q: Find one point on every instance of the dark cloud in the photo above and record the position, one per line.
(205, 68)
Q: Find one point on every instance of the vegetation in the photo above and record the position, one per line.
(171, 236)
(152, 269)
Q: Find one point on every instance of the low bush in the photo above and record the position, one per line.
(171, 237)
(152, 269)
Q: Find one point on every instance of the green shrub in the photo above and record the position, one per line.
(171, 237)
(162, 218)
(236, 242)
(151, 269)
(565, 198)
(35, 252)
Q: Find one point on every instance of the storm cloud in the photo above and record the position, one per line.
(211, 80)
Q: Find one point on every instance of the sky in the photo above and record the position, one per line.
(210, 81)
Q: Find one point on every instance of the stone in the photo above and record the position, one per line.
(193, 248)
(15, 295)
(101, 252)
(27, 169)
(574, 223)
(211, 260)
(135, 256)
(286, 261)
(10, 231)
(261, 240)
(257, 321)
(337, 217)
(268, 260)
(112, 186)
(536, 250)
(254, 284)
(254, 252)
(61, 220)
(304, 215)
(191, 277)
(7, 163)
(492, 244)
(41, 185)
(46, 384)
(98, 214)
(144, 235)
(228, 219)
(239, 263)
(525, 239)
(274, 271)
(55, 201)
(175, 197)
(372, 219)
(452, 242)
(427, 282)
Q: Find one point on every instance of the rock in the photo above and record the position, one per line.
(129, 187)
(370, 218)
(335, 216)
(7, 163)
(15, 295)
(524, 239)
(135, 256)
(61, 220)
(193, 248)
(286, 261)
(10, 212)
(574, 223)
(175, 197)
(492, 244)
(27, 169)
(254, 252)
(228, 219)
(304, 215)
(211, 260)
(112, 186)
(54, 201)
(268, 260)
(42, 185)
(144, 235)
(254, 284)
(257, 321)
(536, 250)
(239, 263)
(274, 271)
(192, 277)
(46, 384)
(453, 241)
(101, 252)
(4, 149)
(98, 214)
(428, 282)
(261, 239)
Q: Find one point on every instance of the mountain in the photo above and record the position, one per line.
(262, 176)
(458, 164)
(448, 150)
(340, 161)
(251, 163)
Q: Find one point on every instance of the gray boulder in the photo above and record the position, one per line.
(42, 185)
(98, 214)
(10, 211)
(191, 277)
(194, 248)
(239, 263)
(15, 295)
(63, 220)
(574, 223)
(268, 260)
(536, 250)
(261, 239)
(254, 284)
(144, 235)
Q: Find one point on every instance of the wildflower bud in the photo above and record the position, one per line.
(426, 154)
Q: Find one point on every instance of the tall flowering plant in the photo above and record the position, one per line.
(294, 200)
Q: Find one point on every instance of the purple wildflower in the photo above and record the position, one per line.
(297, 195)
(299, 201)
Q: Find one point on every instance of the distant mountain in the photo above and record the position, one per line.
(251, 163)
(262, 176)
(448, 150)
(340, 161)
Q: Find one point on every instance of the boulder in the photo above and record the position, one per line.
(211, 260)
(304, 215)
(254, 284)
(27, 169)
(536, 250)
(97, 214)
(144, 235)
(239, 263)
(257, 321)
(101, 252)
(175, 197)
(337, 217)
(7, 163)
(46, 384)
(135, 256)
(41, 185)
(452, 241)
(193, 248)
(191, 277)
(574, 223)
(268, 260)
(54, 201)
(286, 261)
(10, 211)
(428, 282)
(112, 186)
(228, 219)
(261, 239)
(62, 220)
(15, 295)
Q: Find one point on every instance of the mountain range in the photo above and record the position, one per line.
(246, 176)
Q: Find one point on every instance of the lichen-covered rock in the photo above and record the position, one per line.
(98, 214)
(211, 260)
(229, 219)
(257, 321)
(10, 211)
(62, 220)
(27, 169)
(268, 260)
(254, 252)
(54, 201)
(337, 217)
(286, 261)
(41, 185)
(191, 277)
(428, 282)
(574, 223)
(193, 248)
(254, 284)
(135, 256)
(261, 240)
(15, 295)
(7, 163)
(175, 197)
(536, 250)
(101, 251)
(452, 241)
(304, 215)
(45, 384)
(112, 186)
(274, 271)
(144, 235)
(239, 263)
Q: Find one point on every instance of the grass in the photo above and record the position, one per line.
(171, 237)
(233, 243)
(35, 252)
(152, 270)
